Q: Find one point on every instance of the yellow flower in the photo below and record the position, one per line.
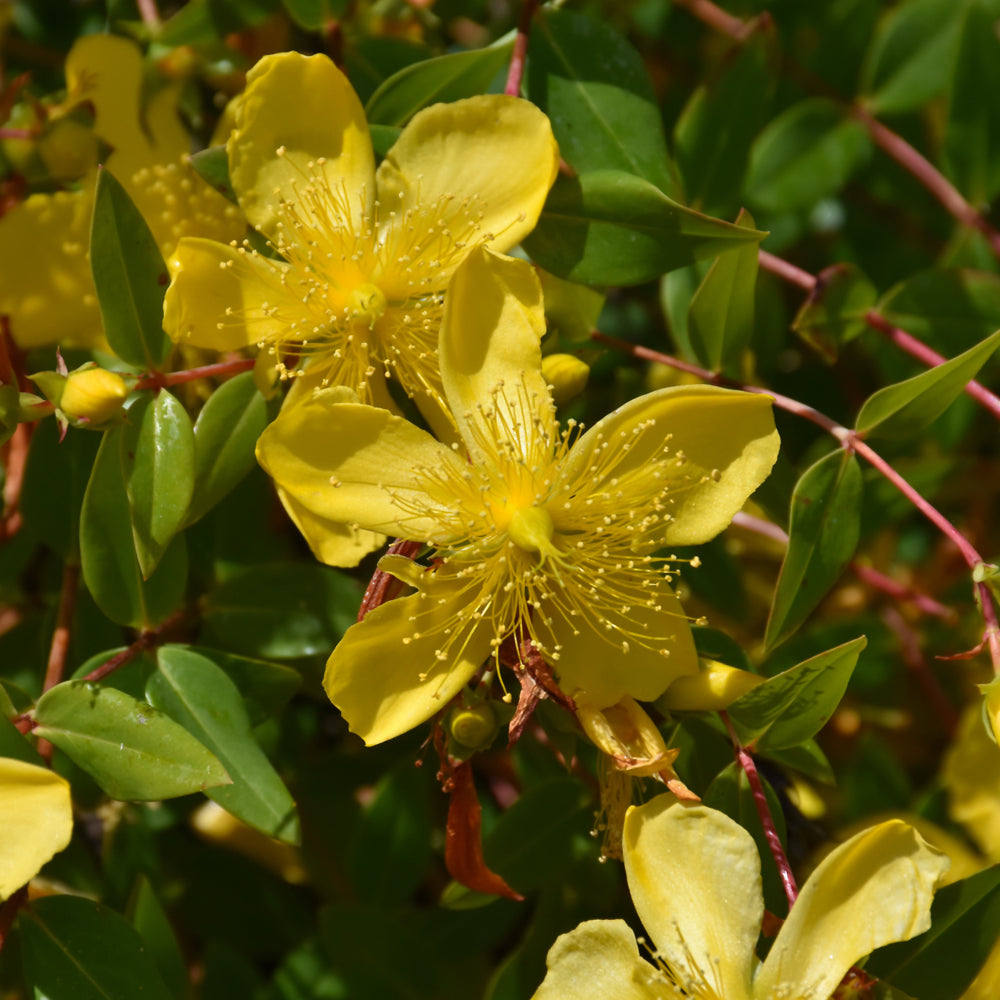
(694, 876)
(36, 821)
(48, 290)
(537, 534)
(366, 254)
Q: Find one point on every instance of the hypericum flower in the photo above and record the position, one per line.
(694, 876)
(36, 821)
(48, 290)
(366, 254)
(545, 536)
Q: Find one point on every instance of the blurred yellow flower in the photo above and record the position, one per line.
(36, 821)
(48, 291)
(694, 876)
(365, 254)
(543, 536)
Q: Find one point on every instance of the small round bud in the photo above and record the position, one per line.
(68, 149)
(93, 394)
(566, 374)
(474, 727)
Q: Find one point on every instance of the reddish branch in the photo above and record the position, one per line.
(163, 380)
(519, 55)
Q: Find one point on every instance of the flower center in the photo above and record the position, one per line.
(367, 303)
(531, 530)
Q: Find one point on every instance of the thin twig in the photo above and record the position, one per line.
(64, 622)
(161, 380)
(149, 14)
(519, 55)
(147, 640)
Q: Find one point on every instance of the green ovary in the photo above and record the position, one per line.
(531, 530)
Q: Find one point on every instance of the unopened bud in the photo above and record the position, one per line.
(68, 149)
(474, 727)
(88, 395)
(566, 374)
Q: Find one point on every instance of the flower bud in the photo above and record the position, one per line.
(89, 395)
(474, 727)
(68, 149)
(566, 374)
(712, 689)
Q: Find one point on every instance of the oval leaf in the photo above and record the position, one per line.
(823, 532)
(444, 78)
(720, 317)
(904, 409)
(225, 434)
(835, 309)
(793, 706)
(129, 275)
(158, 459)
(193, 691)
(74, 947)
(612, 228)
(132, 750)
(603, 111)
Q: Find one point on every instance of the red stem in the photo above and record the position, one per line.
(159, 380)
(147, 640)
(746, 762)
(64, 620)
(148, 12)
(519, 55)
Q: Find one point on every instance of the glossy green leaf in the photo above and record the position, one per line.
(310, 15)
(441, 79)
(906, 408)
(265, 687)
(824, 525)
(107, 549)
(807, 758)
(75, 948)
(391, 847)
(13, 744)
(965, 926)
(212, 165)
(972, 135)
(834, 312)
(721, 315)
(793, 706)
(283, 610)
(129, 275)
(716, 129)
(159, 941)
(603, 111)
(225, 434)
(912, 55)
(948, 308)
(193, 691)
(158, 459)
(54, 484)
(375, 58)
(805, 154)
(132, 750)
(613, 228)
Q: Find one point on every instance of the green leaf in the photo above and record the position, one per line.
(150, 920)
(391, 846)
(444, 78)
(129, 275)
(133, 751)
(603, 111)
(720, 317)
(834, 312)
(282, 610)
(158, 458)
(225, 435)
(107, 549)
(793, 706)
(613, 228)
(824, 525)
(74, 947)
(13, 743)
(311, 15)
(965, 925)
(805, 154)
(193, 691)
(212, 165)
(971, 136)
(906, 408)
(208, 21)
(54, 484)
(717, 127)
(807, 758)
(912, 55)
(949, 308)
(374, 59)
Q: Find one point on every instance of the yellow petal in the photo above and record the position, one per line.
(355, 464)
(386, 676)
(600, 960)
(694, 876)
(305, 106)
(493, 323)
(106, 70)
(492, 157)
(628, 736)
(875, 889)
(223, 299)
(47, 288)
(36, 821)
(715, 687)
(331, 542)
(972, 776)
(727, 440)
(593, 666)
